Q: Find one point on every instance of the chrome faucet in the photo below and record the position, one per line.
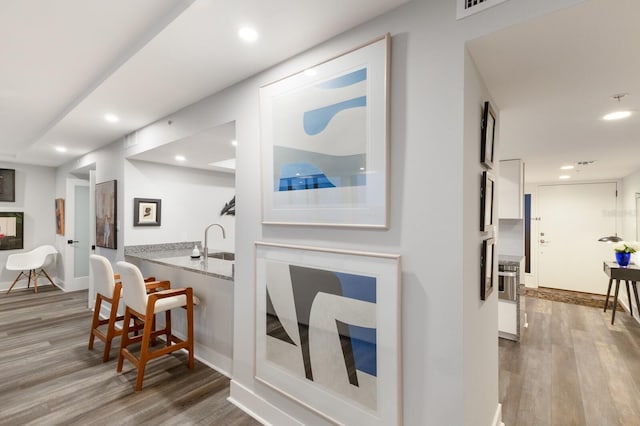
(206, 241)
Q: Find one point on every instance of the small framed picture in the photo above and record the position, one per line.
(486, 267)
(60, 216)
(486, 201)
(488, 135)
(146, 212)
(11, 230)
(8, 185)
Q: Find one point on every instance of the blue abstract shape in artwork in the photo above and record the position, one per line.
(315, 121)
(363, 339)
(344, 80)
(298, 176)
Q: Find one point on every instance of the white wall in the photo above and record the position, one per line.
(480, 318)
(35, 195)
(191, 199)
(511, 237)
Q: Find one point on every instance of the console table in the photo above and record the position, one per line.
(629, 273)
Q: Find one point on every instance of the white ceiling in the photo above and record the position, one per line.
(199, 150)
(552, 79)
(66, 63)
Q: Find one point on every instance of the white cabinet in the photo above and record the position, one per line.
(511, 190)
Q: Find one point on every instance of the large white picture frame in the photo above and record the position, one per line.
(328, 331)
(325, 143)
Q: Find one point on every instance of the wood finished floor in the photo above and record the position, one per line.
(49, 377)
(571, 367)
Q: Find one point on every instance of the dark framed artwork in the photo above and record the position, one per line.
(146, 211)
(11, 230)
(60, 216)
(8, 185)
(487, 135)
(486, 267)
(486, 201)
(106, 214)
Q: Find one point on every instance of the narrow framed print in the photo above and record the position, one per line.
(487, 259)
(487, 195)
(106, 212)
(488, 128)
(328, 331)
(59, 216)
(324, 134)
(8, 185)
(11, 230)
(147, 212)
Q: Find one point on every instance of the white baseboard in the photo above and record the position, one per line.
(258, 408)
(497, 417)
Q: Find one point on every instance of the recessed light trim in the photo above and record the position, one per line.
(617, 115)
(180, 158)
(567, 167)
(248, 34)
(61, 149)
(563, 177)
(111, 118)
(234, 142)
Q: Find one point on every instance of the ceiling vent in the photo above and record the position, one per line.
(469, 7)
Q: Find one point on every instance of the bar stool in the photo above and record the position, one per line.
(143, 307)
(109, 290)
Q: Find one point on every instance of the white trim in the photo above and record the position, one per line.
(497, 417)
(257, 407)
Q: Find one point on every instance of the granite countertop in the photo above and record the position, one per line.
(179, 255)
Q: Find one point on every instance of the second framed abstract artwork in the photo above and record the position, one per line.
(106, 211)
(325, 142)
(328, 331)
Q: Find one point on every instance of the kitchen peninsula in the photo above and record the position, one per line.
(212, 283)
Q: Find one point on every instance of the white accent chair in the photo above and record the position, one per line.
(143, 306)
(32, 261)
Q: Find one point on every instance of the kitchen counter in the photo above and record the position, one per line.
(211, 282)
(179, 255)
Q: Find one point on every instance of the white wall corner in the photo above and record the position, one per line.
(497, 417)
(258, 408)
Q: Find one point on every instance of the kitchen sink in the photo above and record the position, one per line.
(224, 255)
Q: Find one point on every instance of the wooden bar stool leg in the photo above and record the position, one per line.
(96, 318)
(615, 302)
(167, 323)
(606, 302)
(629, 297)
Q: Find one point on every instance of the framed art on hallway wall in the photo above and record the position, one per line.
(328, 331)
(11, 230)
(324, 135)
(8, 185)
(59, 216)
(147, 212)
(106, 214)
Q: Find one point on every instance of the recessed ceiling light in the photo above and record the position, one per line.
(310, 72)
(617, 115)
(234, 142)
(111, 118)
(180, 158)
(248, 34)
(564, 177)
(61, 149)
(567, 167)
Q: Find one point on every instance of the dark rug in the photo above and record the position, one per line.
(567, 296)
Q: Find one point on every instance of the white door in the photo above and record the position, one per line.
(78, 231)
(572, 218)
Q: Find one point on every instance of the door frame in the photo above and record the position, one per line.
(72, 283)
